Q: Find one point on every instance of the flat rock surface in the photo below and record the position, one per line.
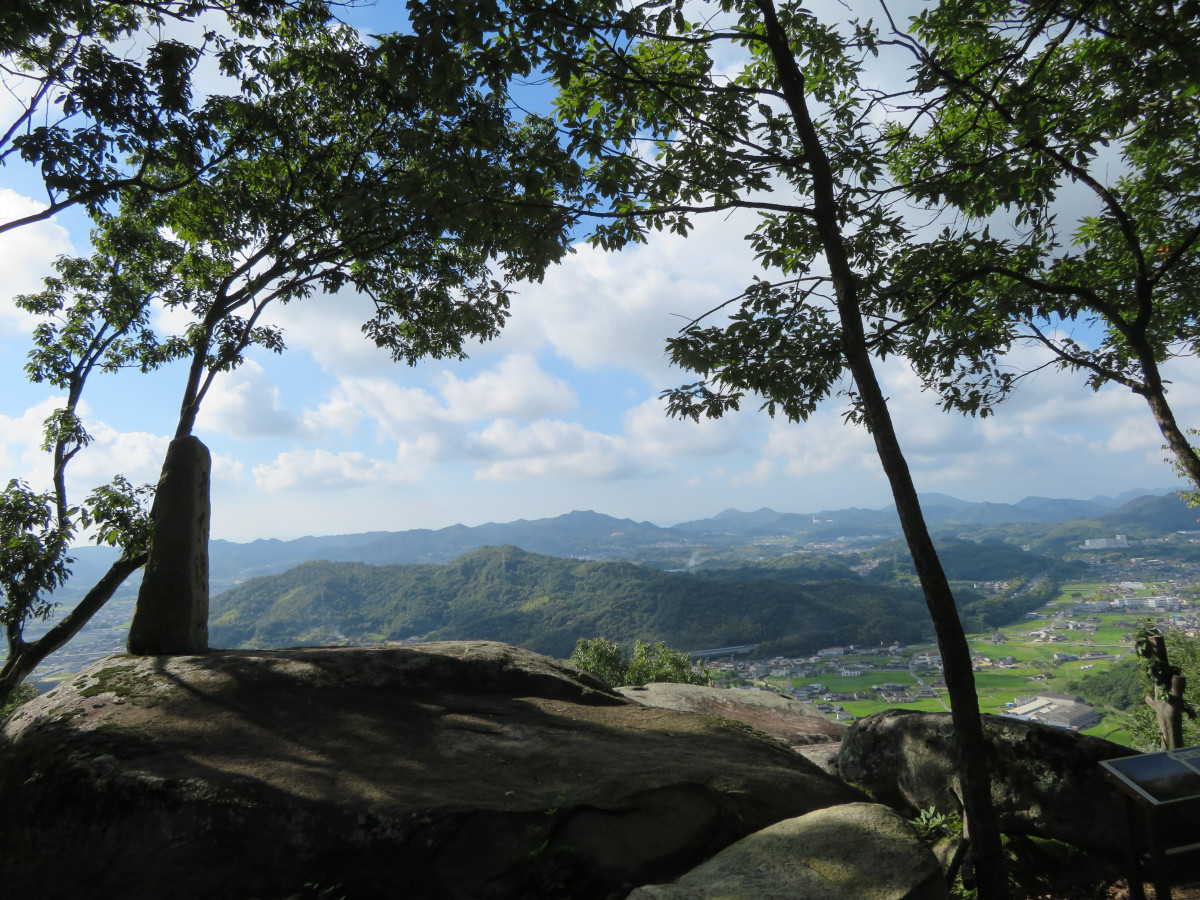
(457, 769)
(796, 724)
(858, 851)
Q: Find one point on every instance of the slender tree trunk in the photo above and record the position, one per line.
(24, 657)
(973, 750)
(190, 406)
(1155, 394)
(972, 747)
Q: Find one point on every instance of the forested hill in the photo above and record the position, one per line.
(545, 604)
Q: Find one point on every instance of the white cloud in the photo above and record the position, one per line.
(654, 433)
(339, 414)
(601, 309)
(823, 444)
(517, 388)
(228, 473)
(245, 403)
(137, 455)
(330, 328)
(27, 252)
(323, 470)
(399, 412)
(552, 449)
(420, 453)
(20, 444)
(760, 473)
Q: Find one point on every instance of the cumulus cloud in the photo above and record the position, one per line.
(397, 411)
(337, 415)
(330, 328)
(245, 403)
(28, 252)
(654, 433)
(323, 470)
(823, 444)
(20, 443)
(137, 455)
(1054, 437)
(601, 310)
(552, 449)
(758, 474)
(516, 388)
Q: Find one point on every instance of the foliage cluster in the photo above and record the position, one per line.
(998, 610)
(1126, 685)
(1182, 657)
(1121, 685)
(648, 662)
(23, 694)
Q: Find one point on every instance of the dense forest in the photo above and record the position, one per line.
(546, 604)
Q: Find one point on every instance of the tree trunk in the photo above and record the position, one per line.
(1155, 393)
(1169, 712)
(24, 657)
(986, 849)
(973, 753)
(1170, 708)
(171, 616)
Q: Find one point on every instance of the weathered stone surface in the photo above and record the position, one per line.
(172, 607)
(823, 756)
(857, 851)
(1046, 781)
(447, 770)
(796, 724)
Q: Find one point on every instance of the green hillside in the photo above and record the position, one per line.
(545, 604)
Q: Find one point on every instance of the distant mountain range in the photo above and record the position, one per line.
(593, 535)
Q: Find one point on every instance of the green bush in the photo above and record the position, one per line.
(648, 663)
(23, 694)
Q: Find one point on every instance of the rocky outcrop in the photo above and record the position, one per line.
(1046, 781)
(796, 724)
(448, 770)
(862, 851)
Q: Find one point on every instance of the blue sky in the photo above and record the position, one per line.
(559, 413)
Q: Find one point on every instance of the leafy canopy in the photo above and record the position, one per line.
(105, 93)
(649, 662)
(1063, 134)
(393, 166)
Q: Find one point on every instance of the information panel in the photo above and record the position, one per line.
(1169, 776)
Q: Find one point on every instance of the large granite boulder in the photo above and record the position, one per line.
(858, 851)
(796, 724)
(1046, 781)
(462, 769)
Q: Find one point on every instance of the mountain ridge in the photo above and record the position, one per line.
(593, 535)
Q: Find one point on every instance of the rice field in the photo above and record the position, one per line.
(1036, 669)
